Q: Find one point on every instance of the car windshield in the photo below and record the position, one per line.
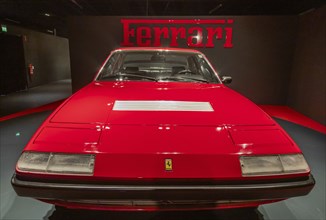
(159, 66)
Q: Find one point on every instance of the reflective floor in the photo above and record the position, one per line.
(16, 132)
(35, 97)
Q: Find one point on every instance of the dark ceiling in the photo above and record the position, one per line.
(47, 15)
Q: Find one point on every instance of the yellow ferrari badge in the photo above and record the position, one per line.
(168, 164)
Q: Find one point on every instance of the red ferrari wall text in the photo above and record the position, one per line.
(195, 32)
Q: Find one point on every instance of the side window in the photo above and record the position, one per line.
(206, 70)
(110, 65)
(192, 65)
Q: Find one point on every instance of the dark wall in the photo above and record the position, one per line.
(259, 62)
(91, 41)
(307, 90)
(48, 54)
(12, 63)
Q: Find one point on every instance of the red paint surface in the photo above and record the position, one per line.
(137, 142)
(93, 104)
(131, 145)
(282, 112)
(288, 114)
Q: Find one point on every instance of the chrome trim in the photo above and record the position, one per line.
(162, 106)
(23, 183)
(84, 191)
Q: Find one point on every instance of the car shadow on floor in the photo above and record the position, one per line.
(227, 214)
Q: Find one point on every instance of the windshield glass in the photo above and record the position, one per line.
(160, 66)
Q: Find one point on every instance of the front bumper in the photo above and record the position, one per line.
(86, 191)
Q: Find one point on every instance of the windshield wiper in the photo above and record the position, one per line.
(118, 75)
(195, 79)
(182, 78)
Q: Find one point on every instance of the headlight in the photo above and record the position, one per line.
(56, 163)
(273, 164)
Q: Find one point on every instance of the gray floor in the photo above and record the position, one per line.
(34, 97)
(16, 132)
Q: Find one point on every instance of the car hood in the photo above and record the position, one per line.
(135, 144)
(218, 105)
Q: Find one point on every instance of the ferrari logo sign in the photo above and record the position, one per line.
(194, 32)
(168, 164)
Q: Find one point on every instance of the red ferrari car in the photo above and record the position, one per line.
(157, 129)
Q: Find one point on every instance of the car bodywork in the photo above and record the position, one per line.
(160, 145)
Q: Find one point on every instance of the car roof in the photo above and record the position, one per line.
(156, 49)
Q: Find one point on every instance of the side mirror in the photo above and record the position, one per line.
(226, 79)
